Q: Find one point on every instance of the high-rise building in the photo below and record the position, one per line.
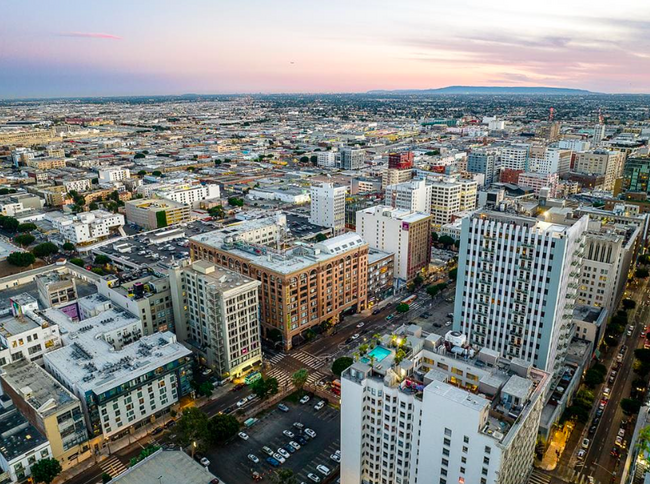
(599, 134)
(400, 161)
(414, 196)
(217, 312)
(514, 157)
(302, 286)
(326, 159)
(328, 206)
(517, 282)
(555, 160)
(537, 181)
(449, 196)
(601, 162)
(393, 176)
(637, 174)
(484, 162)
(425, 408)
(156, 213)
(352, 158)
(406, 234)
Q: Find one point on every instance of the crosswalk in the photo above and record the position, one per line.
(113, 467)
(277, 358)
(311, 363)
(538, 477)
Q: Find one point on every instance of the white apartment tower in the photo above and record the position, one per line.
(326, 159)
(443, 414)
(328, 206)
(555, 160)
(451, 195)
(218, 313)
(514, 157)
(517, 283)
(414, 196)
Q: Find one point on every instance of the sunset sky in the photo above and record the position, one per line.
(118, 47)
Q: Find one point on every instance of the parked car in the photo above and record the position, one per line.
(243, 435)
(304, 399)
(319, 405)
(288, 433)
(284, 453)
(376, 311)
(335, 457)
(267, 450)
(323, 470)
(311, 433)
(289, 448)
(242, 402)
(313, 477)
(585, 443)
(279, 457)
(355, 336)
(621, 432)
(299, 425)
(361, 324)
(581, 454)
(157, 430)
(205, 462)
(295, 445)
(283, 408)
(301, 439)
(253, 458)
(272, 461)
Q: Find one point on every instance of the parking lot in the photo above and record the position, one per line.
(231, 463)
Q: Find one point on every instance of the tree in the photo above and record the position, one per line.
(45, 470)
(26, 227)
(304, 159)
(45, 249)
(321, 237)
(139, 156)
(446, 240)
(156, 173)
(641, 273)
(629, 304)
(630, 406)
(144, 453)
(236, 202)
(217, 212)
(221, 427)
(434, 236)
(265, 387)
(453, 274)
(142, 173)
(593, 378)
(217, 162)
(299, 378)
(192, 427)
(106, 478)
(21, 259)
(402, 308)
(341, 364)
(9, 223)
(77, 261)
(284, 476)
(313, 159)
(206, 388)
(102, 260)
(93, 206)
(642, 355)
(418, 280)
(644, 259)
(433, 290)
(24, 239)
(98, 270)
(69, 246)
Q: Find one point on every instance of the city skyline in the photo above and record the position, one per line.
(288, 46)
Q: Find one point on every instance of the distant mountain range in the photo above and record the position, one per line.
(557, 91)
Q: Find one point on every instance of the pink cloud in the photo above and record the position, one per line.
(91, 35)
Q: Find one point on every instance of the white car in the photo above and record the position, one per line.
(305, 399)
(243, 435)
(585, 443)
(606, 391)
(267, 451)
(355, 336)
(313, 477)
(311, 433)
(242, 402)
(581, 454)
(295, 445)
(335, 457)
(288, 433)
(204, 462)
(323, 470)
(621, 432)
(283, 453)
(361, 324)
(253, 458)
(319, 405)
(279, 458)
(299, 425)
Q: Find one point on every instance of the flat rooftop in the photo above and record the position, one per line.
(39, 388)
(17, 435)
(173, 465)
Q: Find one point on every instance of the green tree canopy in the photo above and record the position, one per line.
(45, 249)
(26, 227)
(45, 470)
(139, 156)
(192, 426)
(265, 387)
(217, 212)
(299, 378)
(446, 240)
(593, 378)
(102, 260)
(221, 428)
(629, 304)
(24, 239)
(284, 476)
(453, 274)
(402, 308)
(9, 223)
(77, 261)
(321, 237)
(236, 201)
(69, 246)
(641, 273)
(21, 259)
(630, 406)
(156, 173)
(341, 364)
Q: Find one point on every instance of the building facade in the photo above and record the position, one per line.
(328, 206)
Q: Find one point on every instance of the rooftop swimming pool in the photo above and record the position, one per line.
(378, 353)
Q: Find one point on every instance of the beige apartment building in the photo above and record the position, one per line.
(156, 213)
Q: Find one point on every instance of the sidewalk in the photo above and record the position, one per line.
(555, 449)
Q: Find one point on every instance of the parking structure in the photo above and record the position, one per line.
(231, 463)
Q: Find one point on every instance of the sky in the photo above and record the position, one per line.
(152, 47)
